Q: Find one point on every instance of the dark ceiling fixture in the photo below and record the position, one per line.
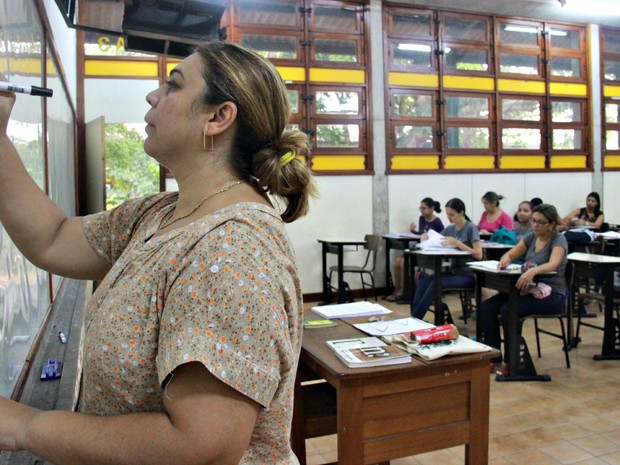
(169, 27)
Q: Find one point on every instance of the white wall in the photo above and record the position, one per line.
(119, 100)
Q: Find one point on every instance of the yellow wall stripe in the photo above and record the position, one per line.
(414, 79)
(119, 68)
(338, 162)
(470, 162)
(469, 82)
(568, 161)
(521, 162)
(346, 76)
(611, 161)
(611, 91)
(512, 85)
(415, 162)
(567, 88)
(26, 66)
(291, 74)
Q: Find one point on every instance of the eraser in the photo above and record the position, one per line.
(52, 369)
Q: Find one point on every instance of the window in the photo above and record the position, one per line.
(610, 58)
(319, 47)
(475, 92)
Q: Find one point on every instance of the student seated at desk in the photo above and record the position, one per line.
(547, 249)
(428, 220)
(462, 233)
(590, 215)
(493, 217)
(522, 225)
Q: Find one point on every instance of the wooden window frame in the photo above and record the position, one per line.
(524, 124)
(398, 120)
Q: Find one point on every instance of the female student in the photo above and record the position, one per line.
(522, 225)
(193, 337)
(463, 234)
(428, 220)
(590, 215)
(493, 217)
(547, 249)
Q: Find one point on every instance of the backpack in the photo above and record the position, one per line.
(504, 236)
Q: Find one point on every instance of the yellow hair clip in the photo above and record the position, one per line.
(287, 158)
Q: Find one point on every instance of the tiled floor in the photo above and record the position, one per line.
(574, 419)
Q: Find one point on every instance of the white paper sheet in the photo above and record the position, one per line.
(391, 327)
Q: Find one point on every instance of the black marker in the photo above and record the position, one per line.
(26, 89)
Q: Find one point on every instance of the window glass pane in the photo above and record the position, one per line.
(293, 100)
(566, 67)
(337, 135)
(612, 112)
(409, 55)
(335, 50)
(611, 43)
(417, 106)
(468, 107)
(565, 39)
(611, 70)
(566, 139)
(521, 139)
(465, 29)
(612, 140)
(520, 110)
(515, 34)
(413, 137)
(337, 103)
(96, 44)
(518, 63)
(404, 24)
(272, 46)
(277, 14)
(467, 138)
(335, 19)
(566, 112)
(292, 127)
(466, 59)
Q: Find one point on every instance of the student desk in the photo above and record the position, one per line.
(396, 241)
(592, 266)
(495, 250)
(335, 246)
(436, 258)
(396, 411)
(520, 364)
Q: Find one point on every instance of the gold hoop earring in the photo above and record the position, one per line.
(204, 143)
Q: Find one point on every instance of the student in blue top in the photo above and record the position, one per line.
(428, 220)
(545, 247)
(463, 234)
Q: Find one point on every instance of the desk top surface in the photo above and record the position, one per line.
(439, 252)
(315, 349)
(592, 258)
(341, 240)
(402, 236)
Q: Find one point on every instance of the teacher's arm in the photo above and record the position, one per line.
(205, 422)
(37, 226)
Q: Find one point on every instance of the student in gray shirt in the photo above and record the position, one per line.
(463, 234)
(545, 249)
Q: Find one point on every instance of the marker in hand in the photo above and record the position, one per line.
(26, 89)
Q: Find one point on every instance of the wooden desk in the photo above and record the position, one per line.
(335, 246)
(520, 364)
(396, 241)
(384, 413)
(436, 257)
(592, 266)
(495, 250)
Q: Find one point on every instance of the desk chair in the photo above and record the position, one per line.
(570, 274)
(594, 296)
(373, 242)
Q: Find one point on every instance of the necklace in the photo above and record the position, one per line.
(167, 221)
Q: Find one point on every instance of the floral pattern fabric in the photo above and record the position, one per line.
(222, 291)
